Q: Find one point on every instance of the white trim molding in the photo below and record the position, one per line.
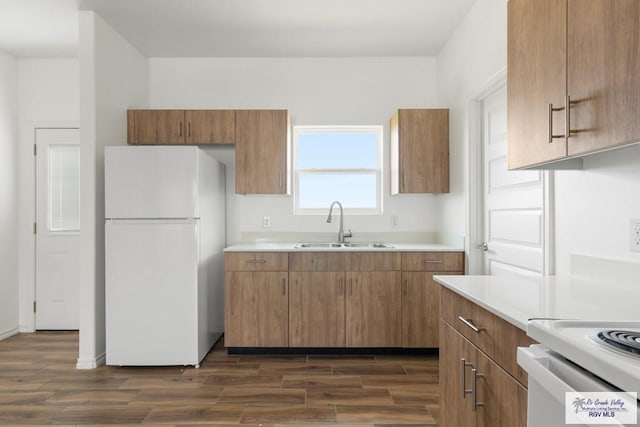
(474, 197)
(8, 333)
(90, 362)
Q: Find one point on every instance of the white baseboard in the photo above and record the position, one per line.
(90, 362)
(8, 333)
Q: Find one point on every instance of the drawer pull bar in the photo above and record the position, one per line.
(256, 261)
(463, 370)
(432, 261)
(474, 389)
(470, 324)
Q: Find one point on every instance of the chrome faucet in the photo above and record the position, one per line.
(341, 234)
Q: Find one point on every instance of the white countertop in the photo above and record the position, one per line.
(397, 247)
(518, 299)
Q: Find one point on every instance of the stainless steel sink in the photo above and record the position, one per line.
(367, 245)
(335, 245)
(319, 245)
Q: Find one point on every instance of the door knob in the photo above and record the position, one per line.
(483, 246)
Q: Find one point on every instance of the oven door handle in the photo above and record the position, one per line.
(556, 374)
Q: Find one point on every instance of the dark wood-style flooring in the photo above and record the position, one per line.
(39, 385)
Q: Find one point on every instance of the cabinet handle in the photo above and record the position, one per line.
(470, 324)
(350, 287)
(567, 119)
(180, 131)
(284, 286)
(256, 261)
(189, 129)
(406, 287)
(474, 389)
(404, 180)
(340, 287)
(463, 370)
(432, 261)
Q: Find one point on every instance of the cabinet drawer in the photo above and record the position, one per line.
(433, 261)
(344, 261)
(256, 261)
(496, 337)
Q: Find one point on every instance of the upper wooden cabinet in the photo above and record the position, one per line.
(263, 141)
(210, 126)
(420, 151)
(573, 78)
(155, 127)
(181, 126)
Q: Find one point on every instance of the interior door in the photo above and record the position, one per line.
(513, 213)
(57, 228)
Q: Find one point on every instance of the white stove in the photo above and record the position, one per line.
(577, 340)
(578, 356)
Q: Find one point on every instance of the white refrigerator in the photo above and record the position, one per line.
(164, 265)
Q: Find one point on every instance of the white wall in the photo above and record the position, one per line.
(316, 91)
(593, 207)
(48, 97)
(8, 196)
(113, 77)
(473, 55)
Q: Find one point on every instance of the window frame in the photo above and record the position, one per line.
(378, 171)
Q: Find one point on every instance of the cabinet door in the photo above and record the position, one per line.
(603, 73)
(457, 356)
(156, 127)
(262, 151)
(422, 138)
(536, 77)
(211, 126)
(373, 309)
(504, 401)
(420, 310)
(316, 309)
(256, 309)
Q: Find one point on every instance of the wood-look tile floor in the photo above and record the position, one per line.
(39, 385)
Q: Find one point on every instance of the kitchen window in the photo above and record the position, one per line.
(341, 163)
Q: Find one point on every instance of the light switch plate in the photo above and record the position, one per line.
(266, 222)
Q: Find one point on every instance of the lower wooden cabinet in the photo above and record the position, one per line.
(474, 391)
(456, 356)
(504, 400)
(420, 310)
(480, 383)
(256, 309)
(316, 309)
(421, 295)
(336, 309)
(373, 309)
(334, 299)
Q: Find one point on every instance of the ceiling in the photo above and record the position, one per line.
(238, 28)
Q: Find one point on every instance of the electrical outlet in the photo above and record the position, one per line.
(395, 222)
(266, 222)
(634, 235)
